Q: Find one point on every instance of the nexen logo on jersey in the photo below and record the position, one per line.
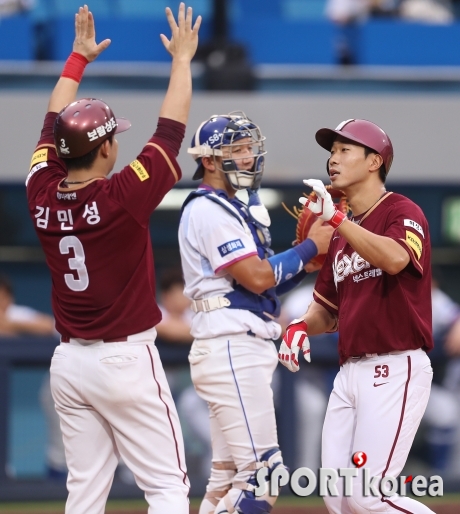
(231, 246)
(350, 265)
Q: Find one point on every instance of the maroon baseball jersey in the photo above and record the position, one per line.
(378, 312)
(96, 238)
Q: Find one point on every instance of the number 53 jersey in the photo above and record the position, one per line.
(96, 236)
(378, 312)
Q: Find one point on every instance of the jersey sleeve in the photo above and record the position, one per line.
(45, 165)
(407, 225)
(223, 241)
(325, 291)
(142, 185)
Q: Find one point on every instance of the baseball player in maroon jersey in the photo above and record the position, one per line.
(107, 380)
(374, 288)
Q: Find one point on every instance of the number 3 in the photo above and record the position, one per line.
(76, 263)
(382, 371)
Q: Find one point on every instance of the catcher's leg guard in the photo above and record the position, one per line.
(241, 498)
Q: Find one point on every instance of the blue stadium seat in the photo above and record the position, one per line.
(272, 42)
(16, 38)
(296, 10)
(411, 44)
(156, 8)
(133, 38)
(64, 8)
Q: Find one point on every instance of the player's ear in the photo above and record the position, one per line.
(105, 148)
(208, 164)
(376, 162)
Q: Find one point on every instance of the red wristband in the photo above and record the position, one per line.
(74, 67)
(337, 219)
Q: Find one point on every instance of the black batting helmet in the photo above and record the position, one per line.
(83, 125)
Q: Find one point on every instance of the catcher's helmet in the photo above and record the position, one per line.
(227, 130)
(362, 132)
(83, 125)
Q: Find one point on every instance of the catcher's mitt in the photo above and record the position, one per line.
(305, 218)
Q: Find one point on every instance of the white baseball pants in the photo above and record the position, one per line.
(376, 407)
(113, 400)
(233, 374)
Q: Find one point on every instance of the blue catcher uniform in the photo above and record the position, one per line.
(233, 356)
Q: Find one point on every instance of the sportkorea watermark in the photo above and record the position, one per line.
(304, 482)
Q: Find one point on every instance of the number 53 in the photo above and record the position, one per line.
(382, 371)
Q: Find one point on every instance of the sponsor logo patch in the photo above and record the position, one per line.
(415, 243)
(352, 265)
(413, 224)
(37, 167)
(139, 170)
(39, 156)
(66, 196)
(231, 246)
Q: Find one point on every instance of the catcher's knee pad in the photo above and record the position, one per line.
(241, 498)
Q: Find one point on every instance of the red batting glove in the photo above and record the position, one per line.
(294, 339)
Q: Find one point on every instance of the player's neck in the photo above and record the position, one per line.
(363, 198)
(218, 183)
(77, 177)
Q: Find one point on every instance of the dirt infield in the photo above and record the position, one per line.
(438, 509)
(448, 505)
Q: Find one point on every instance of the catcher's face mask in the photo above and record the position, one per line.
(237, 147)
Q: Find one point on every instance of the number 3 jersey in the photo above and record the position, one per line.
(96, 235)
(378, 312)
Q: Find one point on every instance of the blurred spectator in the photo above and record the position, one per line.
(441, 418)
(348, 15)
(18, 319)
(175, 309)
(349, 11)
(452, 384)
(8, 7)
(447, 315)
(439, 12)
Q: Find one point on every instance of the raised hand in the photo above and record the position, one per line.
(324, 206)
(294, 339)
(85, 35)
(184, 38)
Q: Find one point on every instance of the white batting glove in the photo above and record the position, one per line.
(324, 206)
(294, 339)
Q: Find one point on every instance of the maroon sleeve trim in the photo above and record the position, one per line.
(44, 145)
(327, 302)
(167, 159)
(411, 252)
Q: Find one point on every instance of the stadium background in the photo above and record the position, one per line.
(277, 61)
